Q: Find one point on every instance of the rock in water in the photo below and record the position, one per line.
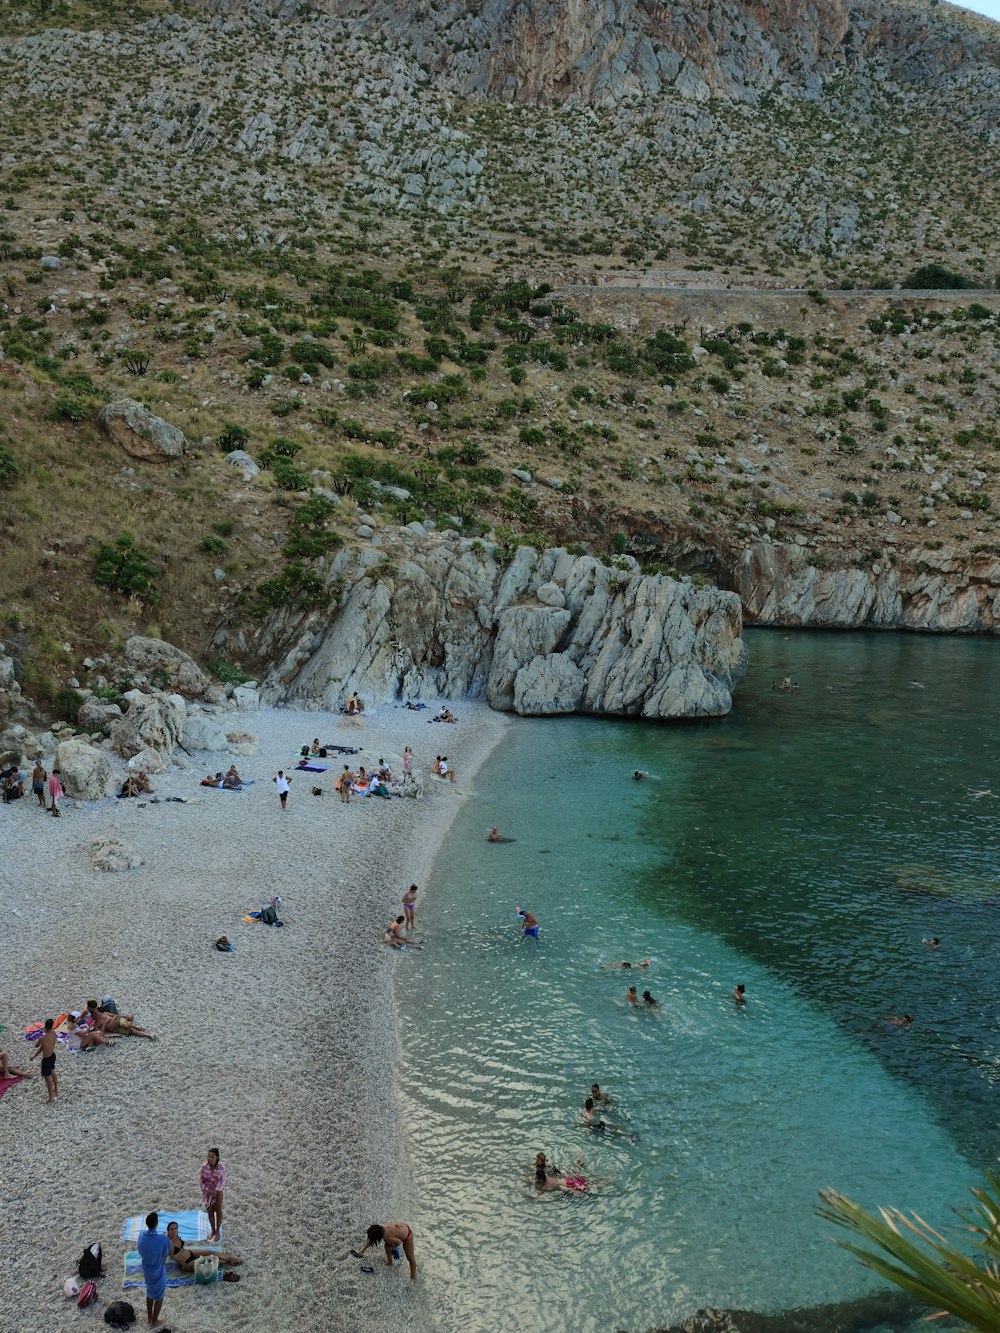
(140, 433)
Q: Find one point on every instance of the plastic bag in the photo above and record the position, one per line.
(206, 1269)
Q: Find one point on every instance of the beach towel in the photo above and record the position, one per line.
(175, 1277)
(35, 1030)
(312, 768)
(7, 1083)
(192, 1223)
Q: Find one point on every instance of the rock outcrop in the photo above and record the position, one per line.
(444, 618)
(110, 853)
(140, 433)
(153, 722)
(84, 769)
(932, 590)
(153, 659)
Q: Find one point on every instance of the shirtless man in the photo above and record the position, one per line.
(632, 996)
(740, 994)
(600, 1098)
(646, 962)
(45, 1047)
(116, 1025)
(345, 784)
(495, 835)
(529, 923)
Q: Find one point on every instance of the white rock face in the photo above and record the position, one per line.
(930, 590)
(153, 721)
(84, 769)
(448, 621)
(201, 732)
(246, 699)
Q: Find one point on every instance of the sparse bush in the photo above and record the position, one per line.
(9, 470)
(127, 569)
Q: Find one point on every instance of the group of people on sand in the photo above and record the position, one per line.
(78, 1030)
(228, 781)
(374, 782)
(136, 784)
(442, 768)
(13, 781)
(399, 933)
(354, 706)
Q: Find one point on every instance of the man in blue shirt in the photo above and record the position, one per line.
(153, 1251)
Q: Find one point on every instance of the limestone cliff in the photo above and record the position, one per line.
(926, 589)
(545, 633)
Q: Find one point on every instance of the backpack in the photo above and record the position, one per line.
(91, 1262)
(317, 791)
(268, 915)
(88, 1294)
(119, 1313)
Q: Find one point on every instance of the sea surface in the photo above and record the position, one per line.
(806, 846)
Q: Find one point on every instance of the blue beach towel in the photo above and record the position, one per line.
(175, 1277)
(193, 1224)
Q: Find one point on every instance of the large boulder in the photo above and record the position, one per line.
(172, 668)
(97, 715)
(140, 433)
(240, 459)
(548, 685)
(21, 743)
(153, 721)
(84, 769)
(202, 732)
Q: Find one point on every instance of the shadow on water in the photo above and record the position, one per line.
(826, 833)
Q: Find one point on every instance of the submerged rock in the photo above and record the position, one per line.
(882, 1310)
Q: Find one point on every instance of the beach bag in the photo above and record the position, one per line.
(317, 791)
(120, 1314)
(88, 1294)
(91, 1262)
(268, 915)
(304, 752)
(206, 1269)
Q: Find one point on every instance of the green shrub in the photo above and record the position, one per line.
(228, 674)
(68, 407)
(212, 546)
(309, 536)
(232, 437)
(9, 470)
(68, 703)
(935, 277)
(127, 569)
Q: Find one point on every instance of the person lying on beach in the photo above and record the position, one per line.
(116, 1025)
(232, 780)
(7, 1070)
(528, 925)
(184, 1256)
(632, 996)
(495, 835)
(394, 936)
(209, 781)
(82, 1038)
(395, 1236)
(615, 967)
(548, 1178)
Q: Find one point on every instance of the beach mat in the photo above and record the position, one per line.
(175, 1277)
(7, 1083)
(312, 768)
(36, 1030)
(193, 1224)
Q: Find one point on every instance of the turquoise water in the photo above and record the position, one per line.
(804, 846)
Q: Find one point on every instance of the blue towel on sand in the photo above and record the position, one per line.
(193, 1224)
(175, 1277)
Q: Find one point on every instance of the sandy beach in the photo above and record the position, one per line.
(282, 1053)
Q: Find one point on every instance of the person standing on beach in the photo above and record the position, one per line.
(410, 906)
(55, 790)
(153, 1251)
(407, 765)
(38, 777)
(45, 1047)
(212, 1180)
(396, 1237)
(345, 784)
(283, 783)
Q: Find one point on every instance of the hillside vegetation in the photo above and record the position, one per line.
(289, 238)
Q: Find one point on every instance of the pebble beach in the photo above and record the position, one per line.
(281, 1053)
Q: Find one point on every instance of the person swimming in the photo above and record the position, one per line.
(638, 775)
(616, 967)
(548, 1178)
(648, 1000)
(740, 994)
(632, 996)
(495, 835)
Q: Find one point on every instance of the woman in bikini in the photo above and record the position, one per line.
(547, 1178)
(409, 905)
(184, 1256)
(394, 1236)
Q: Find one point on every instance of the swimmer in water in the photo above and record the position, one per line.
(740, 994)
(895, 1023)
(616, 967)
(495, 835)
(933, 942)
(600, 1098)
(632, 996)
(529, 923)
(638, 775)
(548, 1178)
(648, 1000)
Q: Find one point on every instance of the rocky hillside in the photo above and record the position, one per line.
(376, 246)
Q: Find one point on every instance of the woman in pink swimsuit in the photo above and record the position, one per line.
(547, 1178)
(395, 1236)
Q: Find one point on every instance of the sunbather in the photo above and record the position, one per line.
(232, 781)
(81, 1039)
(209, 781)
(184, 1255)
(7, 1070)
(116, 1025)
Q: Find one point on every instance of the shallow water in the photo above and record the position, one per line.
(803, 846)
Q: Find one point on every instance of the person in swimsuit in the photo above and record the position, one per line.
(116, 1025)
(38, 776)
(7, 1070)
(615, 967)
(548, 1178)
(45, 1047)
(632, 996)
(345, 784)
(529, 923)
(394, 936)
(407, 765)
(495, 835)
(740, 994)
(648, 1000)
(184, 1256)
(394, 1236)
(601, 1098)
(81, 1039)
(409, 905)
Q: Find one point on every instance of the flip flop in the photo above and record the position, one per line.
(355, 1254)
(230, 1277)
(367, 1268)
